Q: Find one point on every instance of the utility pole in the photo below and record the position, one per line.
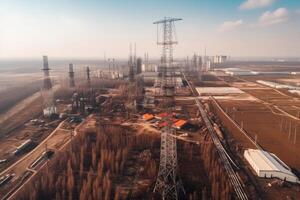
(290, 130)
(255, 138)
(295, 134)
(281, 123)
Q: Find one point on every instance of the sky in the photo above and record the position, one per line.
(94, 28)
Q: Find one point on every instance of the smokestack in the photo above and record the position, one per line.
(71, 76)
(88, 76)
(131, 63)
(139, 65)
(130, 54)
(47, 81)
(134, 53)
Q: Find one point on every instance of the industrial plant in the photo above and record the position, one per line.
(202, 126)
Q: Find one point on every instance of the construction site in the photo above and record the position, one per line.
(142, 129)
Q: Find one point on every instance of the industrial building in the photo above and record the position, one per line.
(245, 72)
(49, 111)
(268, 165)
(218, 90)
(277, 85)
(149, 68)
(238, 72)
(208, 65)
(220, 59)
(295, 92)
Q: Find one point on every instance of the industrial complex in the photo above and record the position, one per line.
(201, 127)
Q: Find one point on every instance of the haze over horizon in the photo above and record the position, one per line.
(88, 29)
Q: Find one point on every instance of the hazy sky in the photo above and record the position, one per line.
(88, 28)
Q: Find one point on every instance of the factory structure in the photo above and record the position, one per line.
(268, 165)
(71, 76)
(190, 103)
(219, 59)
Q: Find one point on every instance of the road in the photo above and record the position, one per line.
(55, 141)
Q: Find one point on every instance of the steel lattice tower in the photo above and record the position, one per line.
(166, 79)
(168, 183)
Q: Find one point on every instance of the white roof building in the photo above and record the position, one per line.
(268, 165)
(277, 85)
(49, 111)
(219, 59)
(218, 90)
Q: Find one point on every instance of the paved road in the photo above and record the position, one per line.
(55, 141)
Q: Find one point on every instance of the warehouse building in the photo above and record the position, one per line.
(268, 165)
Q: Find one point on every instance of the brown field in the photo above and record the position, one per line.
(272, 130)
(272, 117)
(259, 121)
(269, 115)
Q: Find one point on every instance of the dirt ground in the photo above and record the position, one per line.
(272, 117)
(271, 131)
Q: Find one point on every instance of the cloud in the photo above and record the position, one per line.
(269, 18)
(230, 25)
(251, 4)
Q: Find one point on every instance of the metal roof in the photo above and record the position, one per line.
(266, 161)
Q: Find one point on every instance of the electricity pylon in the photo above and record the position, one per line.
(166, 76)
(167, 183)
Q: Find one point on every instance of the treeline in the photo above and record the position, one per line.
(94, 166)
(113, 163)
(203, 175)
(15, 94)
(220, 185)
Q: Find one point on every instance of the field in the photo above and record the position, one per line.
(271, 129)
(272, 117)
(261, 117)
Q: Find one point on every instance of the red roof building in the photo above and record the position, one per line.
(148, 117)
